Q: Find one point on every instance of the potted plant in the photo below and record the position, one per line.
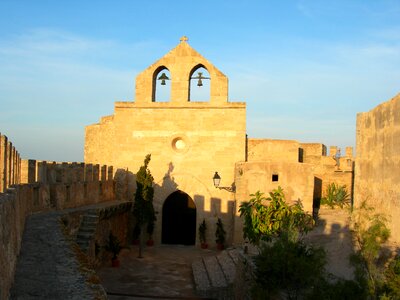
(114, 246)
(202, 234)
(220, 235)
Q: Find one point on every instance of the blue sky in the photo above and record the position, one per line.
(305, 68)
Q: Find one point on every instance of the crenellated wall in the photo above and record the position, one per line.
(31, 186)
(10, 164)
(283, 156)
(327, 169)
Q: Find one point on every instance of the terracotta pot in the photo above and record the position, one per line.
(115, 263)
(204, 245)
(150, 243)
(220, 246)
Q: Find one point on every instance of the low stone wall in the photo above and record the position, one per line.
(113, 218)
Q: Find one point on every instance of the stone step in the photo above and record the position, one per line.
(90, 229)
(228, 266)
(215, 273)
(84, 235)
(234, 254)
(200, 276)
(90, 221)
(90, 218)
(82, 243)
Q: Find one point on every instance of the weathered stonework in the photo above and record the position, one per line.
(188, 141)
(377, 173)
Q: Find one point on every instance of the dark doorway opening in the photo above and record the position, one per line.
(179, 220)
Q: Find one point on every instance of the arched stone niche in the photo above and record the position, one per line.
(181, 61)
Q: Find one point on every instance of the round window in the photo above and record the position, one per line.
(179, 144)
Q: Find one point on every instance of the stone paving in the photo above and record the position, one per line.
(164, 272)
(47, 267)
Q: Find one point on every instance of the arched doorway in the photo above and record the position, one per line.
(179, 219)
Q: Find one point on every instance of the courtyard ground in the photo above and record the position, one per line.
(164, 272)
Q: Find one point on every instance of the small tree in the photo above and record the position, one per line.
(143, 209)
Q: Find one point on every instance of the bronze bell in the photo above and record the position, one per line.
(163, 77)
(200, 82)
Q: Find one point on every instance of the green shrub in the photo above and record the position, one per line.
(391, 287)
(336, 195)
(289, 266)
(339, 290)
(265, 218)
(370, 233)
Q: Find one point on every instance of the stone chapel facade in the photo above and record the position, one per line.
(190, 141)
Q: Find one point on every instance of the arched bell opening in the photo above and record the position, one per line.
(161, 85)
(179, 219)
(200, 84)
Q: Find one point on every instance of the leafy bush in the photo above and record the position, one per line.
(264, 221)
(336, 195)
(391, 287)
(289, 266)
(339, 290)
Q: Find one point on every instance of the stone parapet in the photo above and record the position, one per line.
(10, 164)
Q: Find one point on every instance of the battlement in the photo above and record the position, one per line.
(63, 172)
(10, 164)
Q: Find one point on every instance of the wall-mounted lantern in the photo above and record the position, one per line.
(217, 181)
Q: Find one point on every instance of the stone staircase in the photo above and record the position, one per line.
(214, 275)
(87, 230)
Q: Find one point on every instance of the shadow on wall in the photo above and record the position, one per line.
(179, 214)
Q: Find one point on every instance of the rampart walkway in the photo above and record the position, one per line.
(47, 267)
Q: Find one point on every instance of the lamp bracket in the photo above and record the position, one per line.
(231, 189)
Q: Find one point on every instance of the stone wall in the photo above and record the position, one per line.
(272, 150)
(377, 173)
